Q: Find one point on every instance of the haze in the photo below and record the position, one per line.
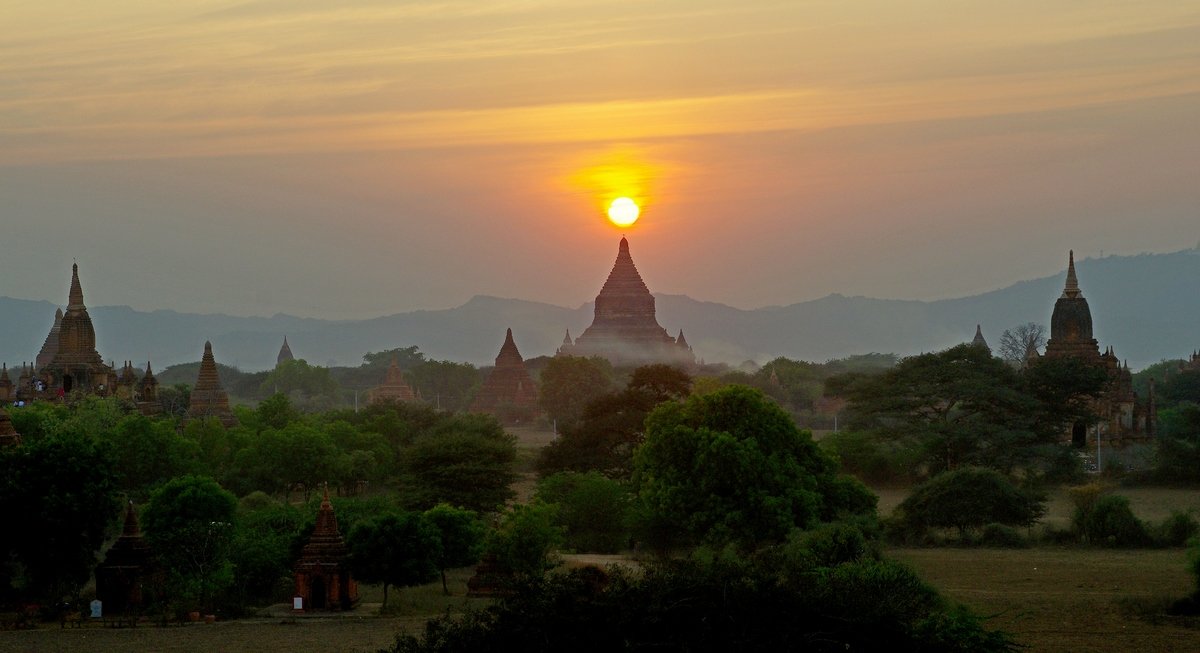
(372, 157)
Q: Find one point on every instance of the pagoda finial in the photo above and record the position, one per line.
(131, 528)
(1072, 286)
(75, 301)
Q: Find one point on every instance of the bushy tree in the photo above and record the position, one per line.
(461, 533)
(448, 385)
(395, 549)
(190, 523)
(969, 498)
(731, 466)
(569, 384)
(593, 510)
(147, 453)
(1108, 521)
(526, 539)
(466, 461)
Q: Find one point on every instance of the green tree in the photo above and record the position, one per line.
(296, 455)
(1178, 455)
(526, 539)
(593, 510)
(59, 496)
(969, 498)
(731, 466)
(190, 523)
(297, 376)
(147, 453)
(466, 461)
(406, 357)
(276, 412)
(395, 549)
(448, 385)
(569, 384)
(461, 534)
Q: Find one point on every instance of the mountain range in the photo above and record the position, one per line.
(1147, 306)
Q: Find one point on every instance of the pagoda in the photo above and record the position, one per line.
(979, 340)
(50, 346)
(8, 434)
(1123, 417)
(393, 388)
(126, 569)
(508, 392)
(322, 573)
(8, 391)
(624, 328)
(75, 364)
(208, 397)
(285, 354)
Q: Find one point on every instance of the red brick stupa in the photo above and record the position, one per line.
(208, 397)
(393, 388)
(126, 569)
(323, 577)
(8, 434)
(624, 327)
(509, 392)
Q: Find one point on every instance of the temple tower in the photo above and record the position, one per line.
(624, 328)
(8, 392)
(322, 574)
(1071, 322)
(50, 346)
(978, 340)
(76, 365)
(394, 387)
(508, 392)
(208, 397)
(126, 569)
(285, 353)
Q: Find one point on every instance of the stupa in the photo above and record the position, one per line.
(624, 328)
(508, 392)
(7, 390)
(322, 574)
(285, 353)
(393, 388)
(50, 345)
(208, 397)
(8, 433)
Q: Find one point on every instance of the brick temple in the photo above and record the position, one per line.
(126, 570)
(208, 398)
(393, 389)
(322, 574)
(508, 392)
(624, 327)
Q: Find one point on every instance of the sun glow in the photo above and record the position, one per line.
(623, 212)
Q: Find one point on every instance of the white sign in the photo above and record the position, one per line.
(96, 608)
(298, 603)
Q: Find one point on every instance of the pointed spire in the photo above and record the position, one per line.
(509, 354)
(978, 340)
(285, 353)
(1072, 286)
(75, 301)
(131, 528)
(681, 341)
(326, 521)
(567, 339)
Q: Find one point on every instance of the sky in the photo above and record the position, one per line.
(361, 158)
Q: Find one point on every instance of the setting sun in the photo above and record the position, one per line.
(623, 212)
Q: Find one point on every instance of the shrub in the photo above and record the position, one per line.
(593, 510)
(829, 545)
(1110, 522)
(1177, 529)
(968, 498)
(1002, 537)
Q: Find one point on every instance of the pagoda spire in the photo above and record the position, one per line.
(1072, 286)
(509, 354)
(75, 300)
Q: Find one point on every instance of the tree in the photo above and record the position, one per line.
(1178, 455)
(465, 461)
(406, 357)
(955, 408)
(297, 455)
(59, 496)
(525, 540)
(395, 549)
(612, 425)
(461, 534)
(297, 376)
(1016, 342)
(447, 384)
(190, 524)
(570, 383)
(970, 497)
(146, 453)
(731, 466)
(592, 509)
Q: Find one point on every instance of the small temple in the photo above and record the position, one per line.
(285, 354)
(508, 393)
(624, 328)
(323, 578)
(126, 570)
(1124, 417)
(393, 389)
(75, 364)
(208, 398)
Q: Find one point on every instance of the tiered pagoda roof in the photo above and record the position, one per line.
(393, 388)
(76, 363)
(624, 328)
(208, 398)
(508, 392)
(50, 346)
(285, 353)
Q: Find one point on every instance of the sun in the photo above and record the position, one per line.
(623, 212)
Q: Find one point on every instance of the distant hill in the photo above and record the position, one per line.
(1146, 306)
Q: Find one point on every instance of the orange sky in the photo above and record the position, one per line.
(361, 158)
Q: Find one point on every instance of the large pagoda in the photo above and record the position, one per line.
(75, 364)
(624, 328)
(509, 392)
(208, 397)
